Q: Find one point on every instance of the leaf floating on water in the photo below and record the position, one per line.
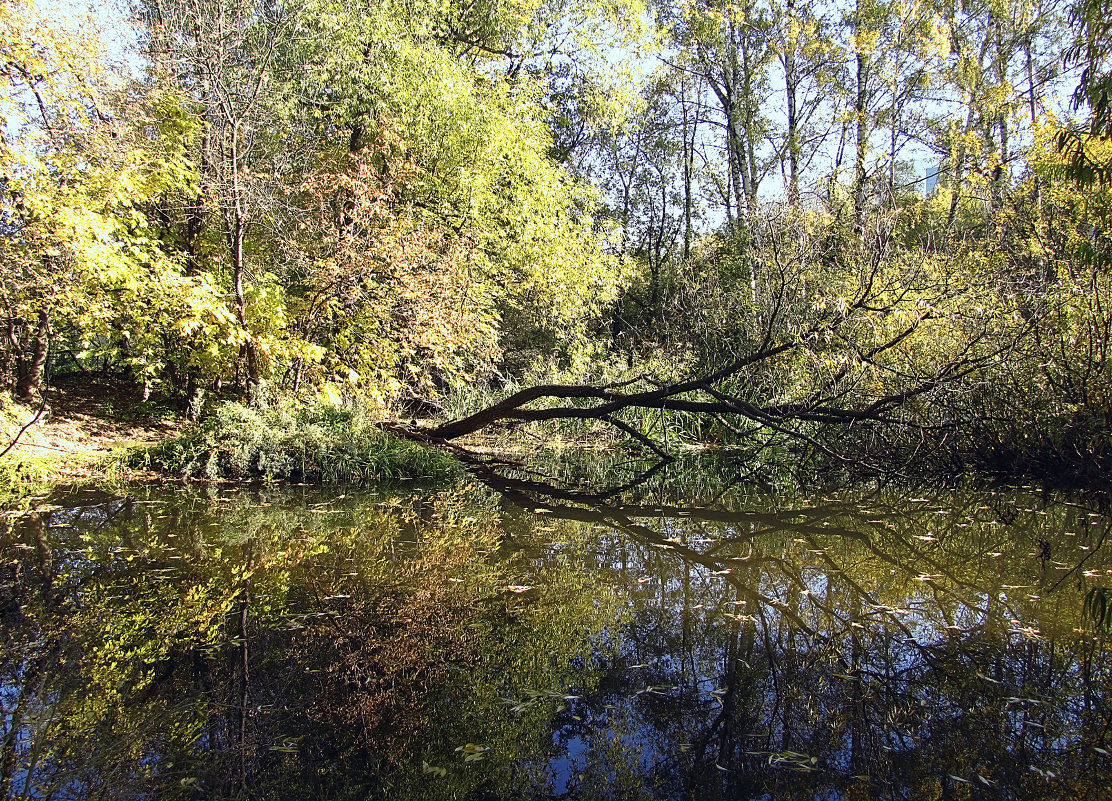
(739, 618)
(472, 752)
(659, 689)
(560, 695)
(793, 760)
(289, 745)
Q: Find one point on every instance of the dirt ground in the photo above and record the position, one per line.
(87, 416)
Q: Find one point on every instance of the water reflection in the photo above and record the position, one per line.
(507, 639)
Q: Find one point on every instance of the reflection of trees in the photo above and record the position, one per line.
(621, 644)
(851, 645)
(246, 646)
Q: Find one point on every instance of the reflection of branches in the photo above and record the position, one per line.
(813, 524)
(1084, 559)
(485, 471)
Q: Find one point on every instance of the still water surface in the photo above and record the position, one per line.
(493, 641)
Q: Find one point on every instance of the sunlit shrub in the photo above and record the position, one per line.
(319, 442)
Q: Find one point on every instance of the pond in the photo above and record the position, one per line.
(509, 638)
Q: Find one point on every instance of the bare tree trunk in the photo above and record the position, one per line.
(250, 350)
(861, 141)
(691, 124)
(791, 91)
(235, 245)
(959, 151)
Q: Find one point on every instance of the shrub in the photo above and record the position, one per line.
(317, 443)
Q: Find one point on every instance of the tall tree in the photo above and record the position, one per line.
(223, 53)
(727, 45)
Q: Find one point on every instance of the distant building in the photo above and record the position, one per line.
(931, 182)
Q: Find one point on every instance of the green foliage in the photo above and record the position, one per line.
(456, 221)
(1098, 607)
(23, 478)
(319, 442)
(401, 202)
(85, 258)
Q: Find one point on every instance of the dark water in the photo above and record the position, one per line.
(482, 643)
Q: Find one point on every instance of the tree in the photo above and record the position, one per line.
(877, 348)
(1090, 52)
(79, 254)
(224, 53)
(727, 46)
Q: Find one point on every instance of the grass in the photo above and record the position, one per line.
(27, 479)
(317, 443)
(24, 478)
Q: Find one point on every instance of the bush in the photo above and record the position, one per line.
(318, 443)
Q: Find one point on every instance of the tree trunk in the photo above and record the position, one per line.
(861, 142)
(29, 372)
(791, 91)
(688, 171)
(250, 350)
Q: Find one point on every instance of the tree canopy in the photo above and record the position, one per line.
(775, 217)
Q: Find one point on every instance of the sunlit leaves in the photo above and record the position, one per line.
(79, 245)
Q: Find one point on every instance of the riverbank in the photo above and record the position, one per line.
(82, 434)
(87, 418)
(93, 431)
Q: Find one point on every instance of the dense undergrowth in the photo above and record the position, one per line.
(315, 443)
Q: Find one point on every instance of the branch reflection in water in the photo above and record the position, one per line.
(512, 636)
